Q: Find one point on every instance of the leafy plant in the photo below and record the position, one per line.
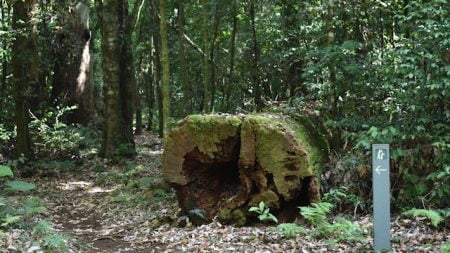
(198, 212)
(289, 230)
(317, 214)
(264, 213)
(346, 230)
(432, 215)
(5, 171)
(20, 186)
(9, 220)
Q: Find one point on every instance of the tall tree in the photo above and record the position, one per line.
(157, 63)
(183, 71)
(165, 68)
(25, 70)
(72, 79)
(231, 80)
(211, 54)
(255, 63)
(206, 75)
(117, 132)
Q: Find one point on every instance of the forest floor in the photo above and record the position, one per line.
(106, 208)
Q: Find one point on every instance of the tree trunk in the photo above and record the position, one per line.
(117, 132)
(165, 89)
(138, 111)
(4, 48)
(25, 70)
(231, 82)
(255, 68)
(158, 68)
(206, 94)
(150, 97)
(221, 164)
(211, 58)
(183, 71)
(72, 83)
(333, 96)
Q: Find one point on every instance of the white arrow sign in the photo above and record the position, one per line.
(378, 169)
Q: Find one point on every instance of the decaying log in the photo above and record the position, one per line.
(223, 164)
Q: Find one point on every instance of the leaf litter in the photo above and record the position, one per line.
(99, 214)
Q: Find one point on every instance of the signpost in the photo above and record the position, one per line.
(381, 197)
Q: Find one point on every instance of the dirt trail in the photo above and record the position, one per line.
(103, 211)
(81, 206)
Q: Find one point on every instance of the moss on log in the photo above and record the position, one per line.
(222, 164)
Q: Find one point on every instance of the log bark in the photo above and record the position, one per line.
(222, 165)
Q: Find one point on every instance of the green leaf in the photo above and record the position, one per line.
(254, 209)
(9, 220)
(262, 206)
(20, 186)
(5, 171)
(433, 216)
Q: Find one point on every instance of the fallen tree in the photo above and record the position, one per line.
(222, 164)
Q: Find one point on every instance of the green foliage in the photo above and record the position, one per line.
(264, 213)
(9, 220)
(5, 171)
(431, 215)
(340, 230)
(317, 214)
(50, 238)
(346, 230)
(289, 230)
(20, 186)
(197, 212)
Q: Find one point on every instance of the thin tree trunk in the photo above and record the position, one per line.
(211, 59)
(255, 68)
(206, 94)
(165, 89)
(138, 110)
(158, 68)
(333, 96)
(183, 72)
(5, 48)
(150, 96)
(230, 84)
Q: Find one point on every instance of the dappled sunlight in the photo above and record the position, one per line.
(74, 185)
(97, 189)
(83, 185)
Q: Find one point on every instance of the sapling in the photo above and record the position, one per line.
(264, 214)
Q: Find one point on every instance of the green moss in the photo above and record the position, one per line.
(207, 131)
(285, 148)
(236, 217)
(269, 198)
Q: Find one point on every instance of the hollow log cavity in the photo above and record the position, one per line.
(220, 165)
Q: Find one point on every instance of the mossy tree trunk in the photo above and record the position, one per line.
(117, 132)
(223, 164)
(25, 70)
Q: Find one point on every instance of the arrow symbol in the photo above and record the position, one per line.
(378, 169)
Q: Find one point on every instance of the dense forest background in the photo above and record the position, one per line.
(85, 78)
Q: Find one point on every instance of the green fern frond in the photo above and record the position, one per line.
(433, 216)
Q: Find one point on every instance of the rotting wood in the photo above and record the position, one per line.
(223, 164)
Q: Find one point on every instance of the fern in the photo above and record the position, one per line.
(289, 230)
(10, 219)
(317, 214)
(433, 216)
